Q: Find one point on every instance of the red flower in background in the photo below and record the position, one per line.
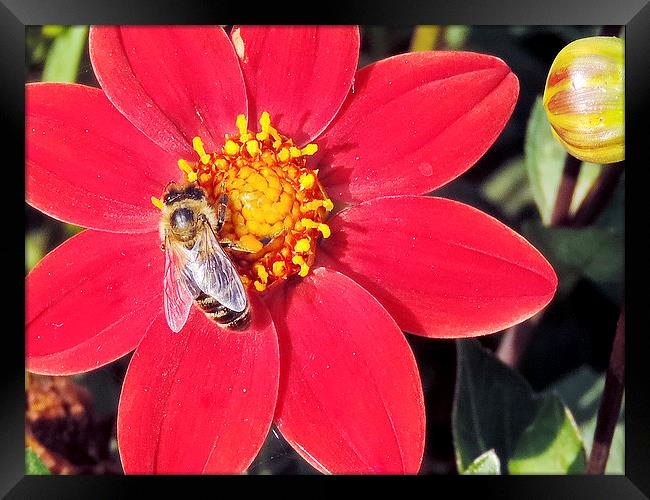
(324, 357)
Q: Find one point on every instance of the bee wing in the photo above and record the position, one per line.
(179, 290)
(214, 273)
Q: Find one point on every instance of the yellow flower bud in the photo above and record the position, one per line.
(584, 99)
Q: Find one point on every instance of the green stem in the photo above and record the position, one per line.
(599, 195)
(610, 405)
(568, 182)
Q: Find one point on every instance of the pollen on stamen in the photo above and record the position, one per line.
(157, 203)
(309, 149)
(302, 245)
(197, 144)
(276, 206)
(304, 268)
(190, 174)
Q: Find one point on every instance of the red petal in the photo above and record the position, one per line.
(91, 300)
(299, 74)
(439, 267)
(201, 400)
(173, 83)
(86, 164)
(415, 122)
(350, 396)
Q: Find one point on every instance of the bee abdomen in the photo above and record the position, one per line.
(234, 320)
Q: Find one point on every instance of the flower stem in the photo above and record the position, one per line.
(610, 405)
(568, 182)
(515, 341)
(599, 195)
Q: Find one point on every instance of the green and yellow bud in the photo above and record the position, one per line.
(584, 99)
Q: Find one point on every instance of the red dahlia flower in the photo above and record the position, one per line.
(324, 357)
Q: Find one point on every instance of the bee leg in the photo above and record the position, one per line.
(264, 241)
(234, 246)
(268, 239)
(221, 211)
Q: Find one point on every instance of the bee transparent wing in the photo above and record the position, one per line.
(215, 274)
(179, 290)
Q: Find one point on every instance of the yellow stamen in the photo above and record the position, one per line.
(315, 205)
(261, 272)
(265, 122)
(157, 203)
(231, 148)
(308, 223)
(184, 166)
(283, 155)
(307, 181)
(189, 173)
(260, 287)
(242, 124)
(304, 268)
(302, 245)
(325, 230)
(197, 144)
(295, 152)
(279, 268)
(252, 147)
(309, 149)
(274, 133)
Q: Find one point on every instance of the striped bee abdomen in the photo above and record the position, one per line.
(221, 314)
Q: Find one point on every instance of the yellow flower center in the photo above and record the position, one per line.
(276, 205)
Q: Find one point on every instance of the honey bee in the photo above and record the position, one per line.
(197, 269)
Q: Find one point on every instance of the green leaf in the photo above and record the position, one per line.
(582, 391)
(552, 444)
(33, 465)
(35, 46)
(593, 252)
(52, 30)
(508, 187)
(492, 405)
(589, 172)
(35, 247)
(486, 464)
(495, 409)
(544, 161)
(71, 229)
(456, 36)
(62, 62)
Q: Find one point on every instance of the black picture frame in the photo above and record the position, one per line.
(16, 14)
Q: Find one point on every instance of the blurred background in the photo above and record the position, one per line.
(71, 420)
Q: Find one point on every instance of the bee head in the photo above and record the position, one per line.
(175, 192)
